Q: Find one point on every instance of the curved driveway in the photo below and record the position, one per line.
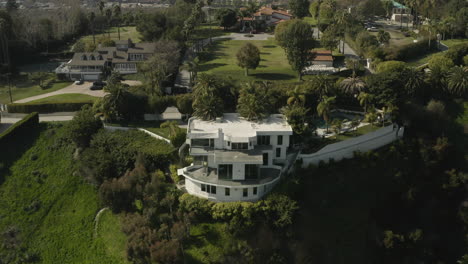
(75, 89)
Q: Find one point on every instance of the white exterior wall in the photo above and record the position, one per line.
(346, 149)
(236, 193)
(238, 171)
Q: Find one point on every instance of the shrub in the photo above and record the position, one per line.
(456, 53)
(47, 107)
(83, 126)
(157, 104)
(175, 177)
(409, 51)
(391, 66)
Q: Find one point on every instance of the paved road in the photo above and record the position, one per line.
(10, 119)
(73, 89)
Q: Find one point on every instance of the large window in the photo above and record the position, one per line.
(202, 142)
(251, 171)
(263, 140)
(254, 190)
(245, 192)
(208, 188)
(227, 191)
(225, 171)
(278, 152)
(240, 145)
(280, 140)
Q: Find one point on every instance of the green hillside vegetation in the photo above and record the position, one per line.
(49, 210)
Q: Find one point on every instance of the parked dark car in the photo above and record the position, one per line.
(97, 85)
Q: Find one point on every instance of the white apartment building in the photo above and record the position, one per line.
(235, 159)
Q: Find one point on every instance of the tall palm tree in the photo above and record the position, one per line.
(92, 19)
(296, 96)
(207, 104)
(365, 100)
(117, 13)
(353, 85)
(173, 127)
(191, 66)
(109, 20)
(342, 21)
(320, 85)
(324, 108)
(414, 81)
(101, 6)
(457, 81)
(383, 37)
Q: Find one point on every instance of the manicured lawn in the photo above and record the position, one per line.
(26, 89)
(359, 132)
(452, 42)
(220, 59)
(53, 208)
(67, 98)
(396, 38)
(205, 31)
(125, 33)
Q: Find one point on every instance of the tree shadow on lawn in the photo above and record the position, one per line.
(210, 66)
(274, 76)
(265, 53)
(269, 46)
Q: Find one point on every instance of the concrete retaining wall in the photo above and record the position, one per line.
(346, 149)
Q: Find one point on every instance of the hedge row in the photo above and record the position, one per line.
(410, 51)
(18, 131)
(47, 107)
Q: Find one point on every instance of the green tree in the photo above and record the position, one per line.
(383, 37)
(296, 96)
(207, 103)
(330, 38)
(248, 57)
(11, 6)
(353, 85)
(324, 108)
(226, 17)
(320, 85)
(92, 20)
(152, 26)
(296, 115)
(83, 125)
(365, 100)
(253, 101)
(109, 21)
(192, 65)
(414, 81)
(457, 81)
(299, 8)
(337, 126)
(5, 27)
(391, 66)
(299, 44)
(101, 6)
(117, 12)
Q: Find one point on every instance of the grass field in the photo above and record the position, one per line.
(78, 98)
(26, 89)
(452, 42)
(125, 33)
(53, 208)
(220, 59)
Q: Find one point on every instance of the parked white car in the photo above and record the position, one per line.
(79, 82)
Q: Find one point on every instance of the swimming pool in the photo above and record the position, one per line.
(320, 123)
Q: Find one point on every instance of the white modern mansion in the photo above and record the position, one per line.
(235, 159)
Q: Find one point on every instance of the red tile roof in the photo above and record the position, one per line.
(323, 55)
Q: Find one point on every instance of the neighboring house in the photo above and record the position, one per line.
(235, 159)
(401, 13)
(323, 57)
(266, 16)
(124, 57)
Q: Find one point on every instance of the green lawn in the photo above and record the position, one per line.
(452, 42)
(26, 89)
(109, 234)
(359, 132)
(205, 31)
(220, 59)
(125, 33)
(53, 208)
(78, 98)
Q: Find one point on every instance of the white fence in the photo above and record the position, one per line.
(114, 128)
(346, 148)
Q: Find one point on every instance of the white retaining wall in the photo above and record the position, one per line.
(346, 148)
(114, 128)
